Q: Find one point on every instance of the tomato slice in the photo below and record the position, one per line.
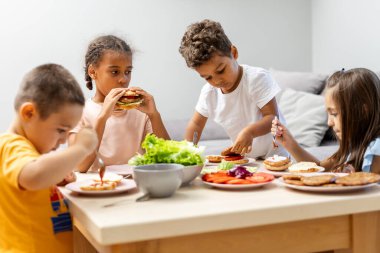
(260, 178)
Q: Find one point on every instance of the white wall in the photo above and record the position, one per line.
(268, 33)
(345, 33)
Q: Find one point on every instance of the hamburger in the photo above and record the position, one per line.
(129, 100)
(232, 157)
(277, 163)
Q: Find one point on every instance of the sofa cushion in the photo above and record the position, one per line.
(305, 116)
(301, 81)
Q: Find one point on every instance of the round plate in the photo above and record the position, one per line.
(274, 173)
(286, 172)
(123, 186)
(326, 188)
(236, 186)
(250, 160)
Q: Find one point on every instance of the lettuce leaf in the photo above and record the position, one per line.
(158, 150)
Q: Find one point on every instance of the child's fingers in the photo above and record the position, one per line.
(140, 91)
(136, 89)
(245, 150)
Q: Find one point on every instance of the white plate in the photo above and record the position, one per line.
(122, 169)
(326, 188)
(286, 172)
(250, 160)
(236, 186)
(123, 186)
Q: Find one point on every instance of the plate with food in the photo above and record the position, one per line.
(330, 182)
(93, 187)
(281, 165)
(234, 159)
(224, 166)
(236, 178)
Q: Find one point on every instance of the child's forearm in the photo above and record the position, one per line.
(300, 154)
(261, 127)
(158, 125)
(50, 169)
(193, 127)
(86, 164)
(99, 127)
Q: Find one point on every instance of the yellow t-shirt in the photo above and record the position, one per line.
(30, 221)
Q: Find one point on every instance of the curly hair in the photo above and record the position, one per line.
(49, 86)
(96, 50)
(202, 40)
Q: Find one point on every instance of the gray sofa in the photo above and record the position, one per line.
(302, 104)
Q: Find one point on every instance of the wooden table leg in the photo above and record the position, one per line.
(366, 232)
(81, 244)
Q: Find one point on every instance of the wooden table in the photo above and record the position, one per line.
(202, 219)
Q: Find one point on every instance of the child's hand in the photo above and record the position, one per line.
(148, 106)
(87, 138)
(283, 136)
(243, 143)
(71, 177)
(110, 101)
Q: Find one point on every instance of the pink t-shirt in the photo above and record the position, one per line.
(123, 133)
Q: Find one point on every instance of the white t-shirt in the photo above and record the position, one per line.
(240, 108)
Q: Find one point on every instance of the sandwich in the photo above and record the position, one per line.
(129, 100)
(232, 157)
(305, 167)
(277, 163)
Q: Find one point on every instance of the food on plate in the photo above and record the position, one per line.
(158, 150)
(277, 163)
(214, 158)
(240, 161)
(294, 181)
(228, 155)
(232, 157)
(239, 172)
(305, 167)
(129, 100)
(238, 175)
(292, 177)
(358, 178)
(333, 180)
(109, 177)
(260, 177)
(318, 180)
(225, 165)
(98, 186)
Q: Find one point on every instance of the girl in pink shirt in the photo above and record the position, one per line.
(120, 132)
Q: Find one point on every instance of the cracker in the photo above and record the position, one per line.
(358, 178)
(292, 177)
(294, 182)
(318, 180)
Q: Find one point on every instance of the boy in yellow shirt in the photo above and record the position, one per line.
(33, 214)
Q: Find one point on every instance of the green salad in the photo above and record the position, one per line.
(158, 150)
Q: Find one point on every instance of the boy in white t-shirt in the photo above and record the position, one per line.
(238, 97)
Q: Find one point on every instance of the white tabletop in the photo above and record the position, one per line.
(199, 208)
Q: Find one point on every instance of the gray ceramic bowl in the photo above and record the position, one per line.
(158, 180)
(190, 173)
